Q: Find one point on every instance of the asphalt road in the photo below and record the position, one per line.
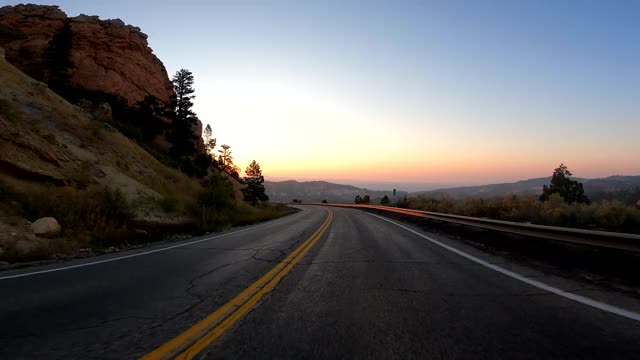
(366, 289)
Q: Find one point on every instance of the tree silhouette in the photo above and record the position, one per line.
(148, 115)
(202, 163)
(384, 200)
(357, 200)
(225, 159)
(182, 136)
(366, 200)
(254, 191)
(57, 57)
(571, 191)
(183, 86)
(209, 140)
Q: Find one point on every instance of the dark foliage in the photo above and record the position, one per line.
(56, 59)
(182, 136)
(570, 190)
(625, 196)
(202, 162)
(254, 191)
(216, 200)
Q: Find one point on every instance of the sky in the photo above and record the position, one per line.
(408, 94)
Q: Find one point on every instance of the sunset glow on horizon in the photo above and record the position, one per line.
(406, 92)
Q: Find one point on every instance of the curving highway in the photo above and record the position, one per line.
(320, 284)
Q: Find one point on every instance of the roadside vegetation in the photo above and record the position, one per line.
(194, 187)
(562, 203)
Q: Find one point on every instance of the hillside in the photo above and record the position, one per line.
(611, 187)
(91, 62)
(316, 191)
(595, 188)
(52, 150)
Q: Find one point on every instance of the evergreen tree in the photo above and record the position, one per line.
(366, 200)
(148, 116)
(202, 163)
(254, 191)
(182, 136)
(357, 200)
(225, 159)
(209, 140)
(183, 86)
(384, 200)
(57, 60)
(571, 191)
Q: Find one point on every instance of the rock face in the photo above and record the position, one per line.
(46, 227)
(107, 55)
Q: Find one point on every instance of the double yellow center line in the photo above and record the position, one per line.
(191, 342)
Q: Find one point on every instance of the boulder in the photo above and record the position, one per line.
(46, 227)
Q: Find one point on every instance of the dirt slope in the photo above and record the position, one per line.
(44, 140)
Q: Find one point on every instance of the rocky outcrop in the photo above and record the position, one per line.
(46, 227)
(107, 55)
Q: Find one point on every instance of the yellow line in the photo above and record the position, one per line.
(210, 328)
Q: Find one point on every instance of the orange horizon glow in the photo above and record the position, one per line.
(416, 171)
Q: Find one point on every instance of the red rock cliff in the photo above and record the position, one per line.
(107, 55)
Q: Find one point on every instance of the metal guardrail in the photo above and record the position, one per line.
(621, 241)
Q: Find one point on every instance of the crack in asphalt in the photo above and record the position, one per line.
(199, 298)
(189, 290)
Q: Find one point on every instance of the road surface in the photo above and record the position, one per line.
(346, 284)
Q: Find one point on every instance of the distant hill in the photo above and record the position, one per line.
(316, 191)
(594, 188)
(622, 188)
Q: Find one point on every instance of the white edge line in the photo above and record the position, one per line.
(581, 299)
(144, 252)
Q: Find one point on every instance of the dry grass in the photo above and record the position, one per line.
(247, 215)
(107, 183)
(606, 215)
(96, 217)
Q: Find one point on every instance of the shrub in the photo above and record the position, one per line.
(169, 203)
(555, 211)
(215, 202)
(95, 215)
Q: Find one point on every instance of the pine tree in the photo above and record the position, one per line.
(571, 191)
(254, 191)
(182, 136)
(209, 140)
(57, 59)
(183, 86)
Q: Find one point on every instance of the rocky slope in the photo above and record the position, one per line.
(48, 143)
(107, 55)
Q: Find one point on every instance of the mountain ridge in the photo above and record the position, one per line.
(316, 191)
